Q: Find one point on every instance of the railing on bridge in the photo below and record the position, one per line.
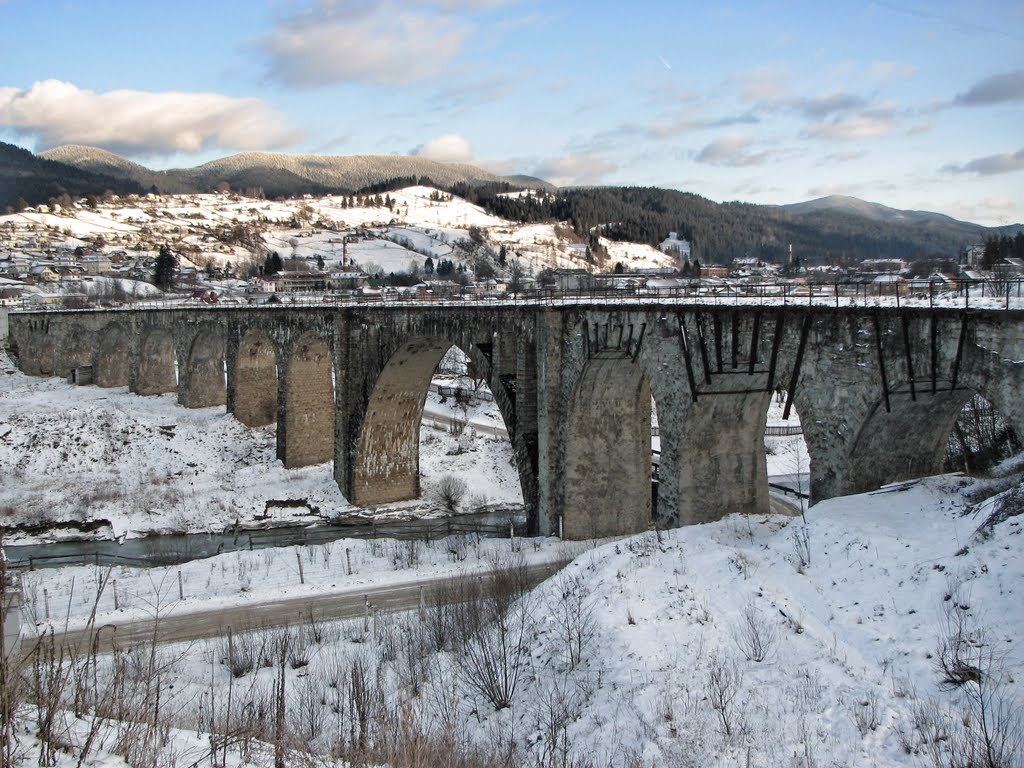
(970, 294)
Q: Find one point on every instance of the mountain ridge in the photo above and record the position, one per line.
(821, 230)
(286, 175)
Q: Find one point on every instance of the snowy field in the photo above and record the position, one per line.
(764, 641)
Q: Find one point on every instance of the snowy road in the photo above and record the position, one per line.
(275, 613)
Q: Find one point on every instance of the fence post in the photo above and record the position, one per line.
(181, 587)
(298, 558)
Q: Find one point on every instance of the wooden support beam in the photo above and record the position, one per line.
(735, 339)
(703, 348)
(881, 362)
(753, 343)
(639, 341)
(905, 322)
(805, 329)
(687, 358)
(780, 324)
(959, 350)
(935, 353)
(718, 340)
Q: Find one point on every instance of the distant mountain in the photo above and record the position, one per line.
(281, 175)
(831, 230)
(36, 179)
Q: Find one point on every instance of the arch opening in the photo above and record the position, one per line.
(385, 466)
(608, 452)
(307, 431)
(466, 459)
(980, 439)
(158, 367)
(256, 381)
(787, 460)
(206, 381)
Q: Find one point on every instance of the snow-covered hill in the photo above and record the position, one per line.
(345, 232)
(869, 635)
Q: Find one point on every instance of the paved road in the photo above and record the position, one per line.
(295, 610)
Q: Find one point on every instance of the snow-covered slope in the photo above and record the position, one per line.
(762, 641)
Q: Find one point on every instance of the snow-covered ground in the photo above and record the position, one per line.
(148, 464)
(814, 643)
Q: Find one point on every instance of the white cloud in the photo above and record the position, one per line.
(868, 126)
(448, 148)
(990, 165)
(998, 89)
(731, 150)
(387, 43)
(572, 169)
(824, 190)
(140, 122)
(998, 203)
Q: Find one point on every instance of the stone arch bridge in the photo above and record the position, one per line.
(878, 391)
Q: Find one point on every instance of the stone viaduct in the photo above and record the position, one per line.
(878, 391)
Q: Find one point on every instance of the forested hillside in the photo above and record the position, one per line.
(26, 179)
(721, 232)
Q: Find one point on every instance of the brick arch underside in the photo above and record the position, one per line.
(112, 358)
(386, 464)
(607, 488)
(205, 384)
(157, 372)
(256, 380)
(37, 357)
(308, 429)
(906, 441)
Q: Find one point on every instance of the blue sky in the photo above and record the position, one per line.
(911, 104)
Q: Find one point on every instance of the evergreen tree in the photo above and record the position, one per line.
(273, 264)
(166, 268)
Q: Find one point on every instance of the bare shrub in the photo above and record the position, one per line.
(557, 707)
(985, 726)
(492, 626)
(723, 686)
(867, 713)
(450, 492)
(756, 637)
(242, 652)
(572, 607)
(802, 547)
